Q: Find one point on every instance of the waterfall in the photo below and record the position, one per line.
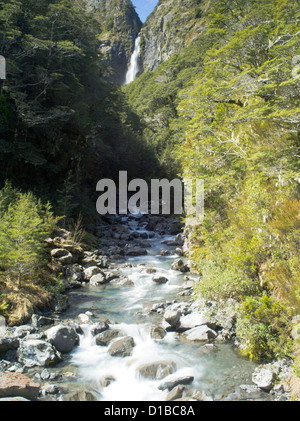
(134, 65)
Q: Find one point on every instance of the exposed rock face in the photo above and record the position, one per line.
(173, 25)
(120, 26)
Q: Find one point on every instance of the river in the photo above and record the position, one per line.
(216, 372)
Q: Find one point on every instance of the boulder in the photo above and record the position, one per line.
(100, 327)
(172, 317)
(199, 395)
(201, 334)
(104, 338)
(60, 303)
(183, 380)
(192, 320)
(136, 251)
(36, 352)
(80, 396)
(121, 347)
(264, 377)
(18, 385)
(180, 265)
(175, 393)
(156, 370)
(90, 272)
(74, 273)
(247, 392)
(39, 321)
(61, 255)
(64, 338)
(23, 330)
(7, 344)
(98, 279)
(160, 279)
(157, 332)
(179, 251)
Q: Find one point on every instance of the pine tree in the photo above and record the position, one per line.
(23, 226)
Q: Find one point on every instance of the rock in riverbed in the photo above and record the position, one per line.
(157, 370)
(201, 334)
(18, 385)
(122, 347)
(64, 338)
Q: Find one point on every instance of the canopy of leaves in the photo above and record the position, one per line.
(59, 116)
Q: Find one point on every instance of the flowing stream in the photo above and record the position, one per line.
(216, 373)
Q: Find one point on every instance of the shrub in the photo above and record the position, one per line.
(263, 328)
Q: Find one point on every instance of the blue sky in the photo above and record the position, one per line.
(144, 7)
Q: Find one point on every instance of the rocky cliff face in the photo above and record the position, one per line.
(119, 25)
(172, 25)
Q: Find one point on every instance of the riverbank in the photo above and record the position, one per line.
(137, 275)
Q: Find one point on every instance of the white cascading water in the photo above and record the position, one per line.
(125, 308)
(134, 65)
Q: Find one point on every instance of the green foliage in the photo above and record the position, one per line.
(24, 224)
(263, 329)
(60, 116)
(226, 109)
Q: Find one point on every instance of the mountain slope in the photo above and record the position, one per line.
(226, 109)
(173, 25)
(119, 25)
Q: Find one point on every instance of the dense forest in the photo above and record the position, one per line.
(225, 108)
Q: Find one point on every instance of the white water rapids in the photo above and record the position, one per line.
(216, 373)
(134, 62)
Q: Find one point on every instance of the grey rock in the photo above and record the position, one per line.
(80, 396)
(39, 321)
(160, 279)
(121, 347)
(104, 338)
(90, 272)
(35, 352)
(136, 251)
(264, 377)
(100, 327)
(156, 370)
(172, 317)
(98, 279)
(64, 338)
(61, 255)
(157, 332)
(7, 344)
(175, 393)
(180, 265)
(201, 334)
(192, 320)
(185, 380)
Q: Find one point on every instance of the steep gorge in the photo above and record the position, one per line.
(171, 26)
